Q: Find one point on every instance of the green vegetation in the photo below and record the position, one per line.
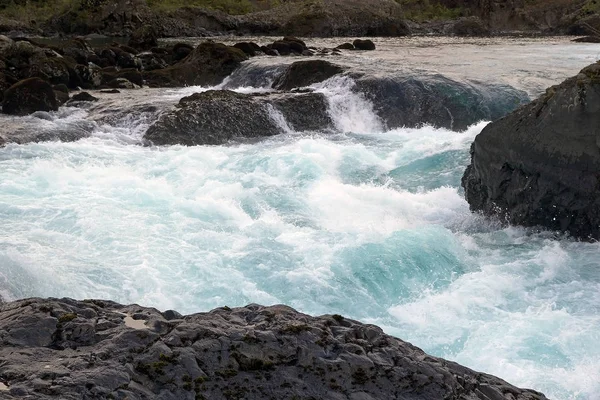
(429, 10)
(591, 7)
(36, 11)
(234, 7)
(67, 317)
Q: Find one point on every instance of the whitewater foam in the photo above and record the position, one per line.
(364, 223)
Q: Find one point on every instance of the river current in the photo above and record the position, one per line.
(364, 222)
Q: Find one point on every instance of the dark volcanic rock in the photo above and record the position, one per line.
(208, 64)
(216, 116)
(99, 349)
(366, 44)
(540, 166)
(28, 96)
(306, 73)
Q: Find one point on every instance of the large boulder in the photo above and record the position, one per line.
(540, 166)
(97, 349)
(306, 73)
(28, 96)
(216, 116)
(207, 65)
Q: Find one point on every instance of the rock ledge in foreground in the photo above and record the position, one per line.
(95, 349)
(540, 165)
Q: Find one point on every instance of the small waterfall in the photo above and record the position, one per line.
(349, 110)
(279, 119)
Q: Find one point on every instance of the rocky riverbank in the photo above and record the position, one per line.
(303, 17)
(100, 349)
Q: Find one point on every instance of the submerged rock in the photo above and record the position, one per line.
(411, 101)
(540, 166)
(306, 73)
(28, 96)
(101, 349)
(216, 116)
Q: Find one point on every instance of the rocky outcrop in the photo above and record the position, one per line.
(411, 101)
(144, 38)
(216, 116)
(540, 166)
(305, 73)
(28, 96)
(328, 18)
(100, 349)
(208, 64)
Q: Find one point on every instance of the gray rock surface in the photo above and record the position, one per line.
(216, 116)
(94, 349)
(306, 73)
(540, 165)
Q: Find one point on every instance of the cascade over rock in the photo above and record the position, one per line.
(540, 165)
(216, 116)
(411, 101)
(101, 349)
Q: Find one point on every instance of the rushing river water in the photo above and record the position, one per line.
(367, 223)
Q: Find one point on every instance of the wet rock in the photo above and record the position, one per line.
(110, 91)
(101, 349)
(61, 97)
(28, 96)
(208, 64)
(181, 51)
(366, 44)
(112, 74)
(83, 96)
(269, 51)
(121, 83)
(345, 46)
(587, 39)
(152, 61)
(144, 38)
(306, 73)
(249, 48)
(471, 26)
(216, 116)
(539, 166)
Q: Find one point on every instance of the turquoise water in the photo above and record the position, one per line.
(364, 223)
